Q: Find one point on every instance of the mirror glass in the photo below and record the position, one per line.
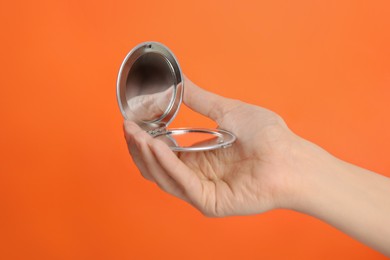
(149, 88)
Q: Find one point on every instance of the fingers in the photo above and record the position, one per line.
(130, 130)
(177, 170)
(139, 146)
(204, 102)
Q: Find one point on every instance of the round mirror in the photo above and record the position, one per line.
(149, 92)
(149, 87)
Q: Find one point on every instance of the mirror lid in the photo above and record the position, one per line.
(162, 121)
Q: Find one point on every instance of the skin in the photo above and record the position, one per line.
(268, 167)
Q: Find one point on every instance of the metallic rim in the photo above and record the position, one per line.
(228, 138)
(131, 57)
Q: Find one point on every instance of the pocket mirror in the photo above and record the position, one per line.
(150, 91)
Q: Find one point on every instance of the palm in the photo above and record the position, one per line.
(228, 176)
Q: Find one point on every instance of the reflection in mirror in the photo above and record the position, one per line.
(149, 107)
(149, 88)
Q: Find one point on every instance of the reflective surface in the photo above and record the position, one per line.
(149, 86)
(149, 92)
(196, 139)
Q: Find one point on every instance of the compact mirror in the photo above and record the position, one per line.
(150, 90)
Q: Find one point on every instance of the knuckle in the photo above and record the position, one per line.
(140, 135)
(140, 141)
(211, 213)
(163, 187)
(129, 127)
(147, 176)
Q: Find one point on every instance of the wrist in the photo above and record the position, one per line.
(311, 172)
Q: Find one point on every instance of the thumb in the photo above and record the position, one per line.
(204, 102)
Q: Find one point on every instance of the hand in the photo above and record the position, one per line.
(267, 167)
(251, 176)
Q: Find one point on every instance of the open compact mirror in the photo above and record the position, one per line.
(150, 90)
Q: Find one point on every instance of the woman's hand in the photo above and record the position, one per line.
(255, 174)
(267, 167)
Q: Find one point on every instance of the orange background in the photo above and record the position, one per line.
(68, 188)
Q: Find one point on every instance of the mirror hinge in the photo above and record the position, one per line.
(157, 131)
